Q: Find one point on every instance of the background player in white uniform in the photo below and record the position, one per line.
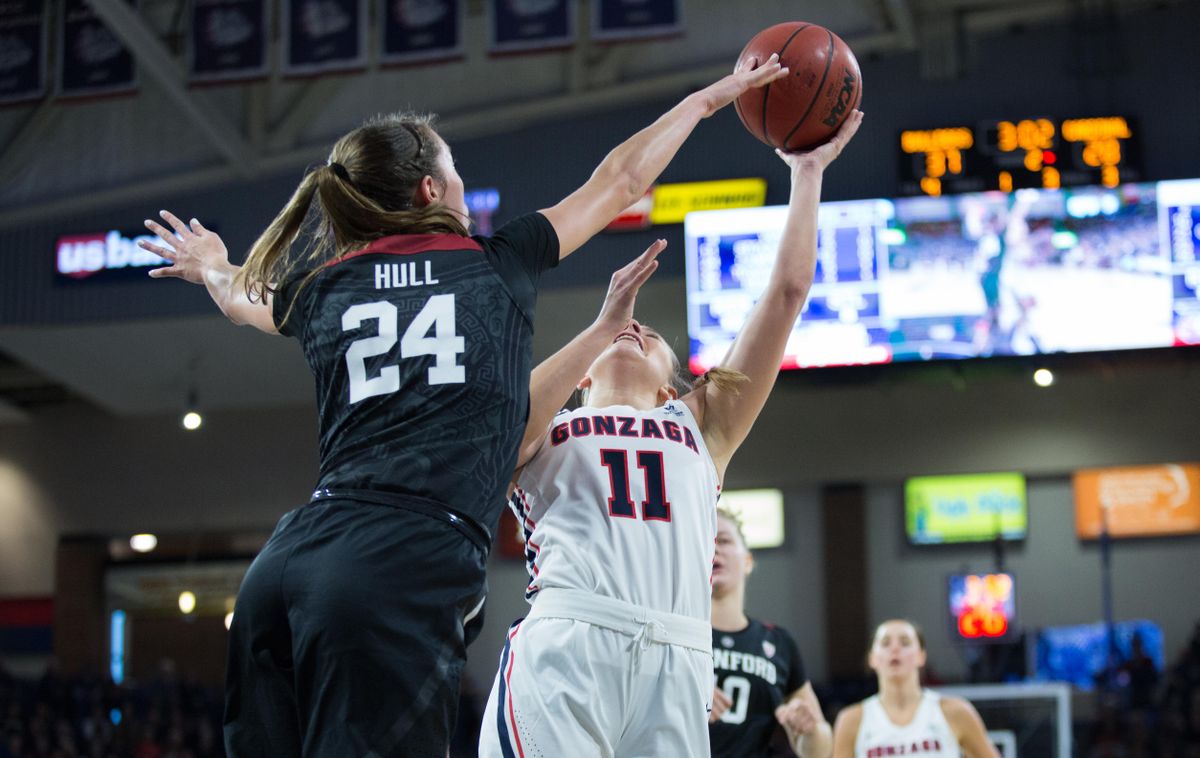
(760, 680)
(904, 718)
(618, 502)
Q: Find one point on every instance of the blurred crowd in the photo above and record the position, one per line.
(1142, 713)
(58, 717)
(1145, 714)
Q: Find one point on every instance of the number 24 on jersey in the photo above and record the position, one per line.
(445, 345)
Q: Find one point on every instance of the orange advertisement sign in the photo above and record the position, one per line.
(1138, 500)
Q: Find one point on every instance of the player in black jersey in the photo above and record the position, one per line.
(352, 623)
(760, 679)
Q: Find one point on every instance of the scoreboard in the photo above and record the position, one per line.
(1010, 155)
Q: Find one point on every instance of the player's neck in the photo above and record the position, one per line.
(604, 396)
(728, 612)
(900, 696)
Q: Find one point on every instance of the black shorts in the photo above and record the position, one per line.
(350, 634)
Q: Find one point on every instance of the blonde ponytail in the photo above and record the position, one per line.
(724, 379)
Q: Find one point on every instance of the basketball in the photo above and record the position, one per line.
(805, 108)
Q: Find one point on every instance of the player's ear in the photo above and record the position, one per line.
(584, 383)
(427, 192)
(749, 558)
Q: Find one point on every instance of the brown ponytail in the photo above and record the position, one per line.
(364, 192)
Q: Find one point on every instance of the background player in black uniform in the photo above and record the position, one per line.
(351, 625)
(760, 679)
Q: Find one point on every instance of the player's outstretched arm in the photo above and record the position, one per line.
(726, 415)
(628, 171)
(199, 256)
(807, 730)
(554, 379)
(968, 727)
(845, 731)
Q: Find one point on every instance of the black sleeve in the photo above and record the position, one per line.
(520, 251)
(291, 295)
(797, 676)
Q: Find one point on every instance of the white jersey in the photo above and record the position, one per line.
(928, 735)
(622, 503)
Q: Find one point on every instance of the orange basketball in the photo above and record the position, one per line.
(806, 107)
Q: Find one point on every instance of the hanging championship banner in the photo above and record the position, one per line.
(91, 60)
(630, 19)
(524, 25)
(421, 30)
(22, 50)
(228, 40)
(324, 35)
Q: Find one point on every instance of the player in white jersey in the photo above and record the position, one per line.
(904, 719)
(618, 500)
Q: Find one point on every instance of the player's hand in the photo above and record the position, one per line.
(821, 156)
(720, 704)
(192, 250)
(749, 74)
(798, 717)
(617, 310)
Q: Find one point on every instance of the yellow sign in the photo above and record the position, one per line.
(674, 201)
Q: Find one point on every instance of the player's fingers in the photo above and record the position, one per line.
(719, 696)
(767, 72)
(746, 64)
(162, 232)
(162, 273)
(197, 227)
(656, 247)
(180, 227)
(642, 274)
(850, 127)
(158, 250)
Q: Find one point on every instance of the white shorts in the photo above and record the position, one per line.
(587, 676)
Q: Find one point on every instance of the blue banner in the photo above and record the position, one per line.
(630, 19)
(91, 60)
(228, 40)
(523, 25)
(421, 30)
(22, 50)
(324, 35)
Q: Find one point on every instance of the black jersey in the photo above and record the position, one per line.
(421, 346)
(757, 668)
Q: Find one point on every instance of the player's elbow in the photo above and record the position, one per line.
(792, 294)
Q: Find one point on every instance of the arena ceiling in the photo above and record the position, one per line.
(168, 138)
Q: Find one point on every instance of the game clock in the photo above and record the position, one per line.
(1008, 155)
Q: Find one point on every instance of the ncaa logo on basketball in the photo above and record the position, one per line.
(843, 99)
(768, 648)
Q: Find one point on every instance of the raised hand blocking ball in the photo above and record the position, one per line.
(805, 108)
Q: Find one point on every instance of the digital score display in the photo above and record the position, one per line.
(982, 606)
(1010, 155)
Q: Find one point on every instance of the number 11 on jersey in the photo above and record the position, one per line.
(620, 503)
(437, 314)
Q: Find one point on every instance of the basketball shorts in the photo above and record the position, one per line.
(588, 676)
(350, 633)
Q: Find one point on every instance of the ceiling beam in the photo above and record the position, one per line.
(313, 98)
(15, 158)
(496, 120)
(901, 14)
(157, 63)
